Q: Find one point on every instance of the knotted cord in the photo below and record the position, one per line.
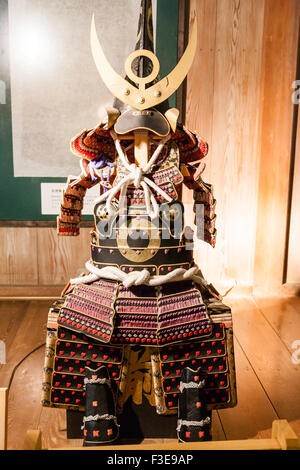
(137, 278)
(136, 176)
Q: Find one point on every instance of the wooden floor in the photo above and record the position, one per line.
(267, 379)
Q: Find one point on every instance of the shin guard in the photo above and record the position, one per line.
(99, 423)
(194, 419)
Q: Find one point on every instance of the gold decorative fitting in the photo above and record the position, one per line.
(126, 92)
(138, 254)
(153, 95)
(141, 81)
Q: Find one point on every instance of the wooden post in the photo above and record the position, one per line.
(141, 148)
(279, 62)
(282, 431)
(3, 418)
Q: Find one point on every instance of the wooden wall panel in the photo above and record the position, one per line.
(199, 97)
(38, 257)
(276, 121)
(60, 258)
(223, 105)
(293, 261)
(18, 256)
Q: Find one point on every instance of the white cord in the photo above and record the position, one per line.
(137, 277)
(136, 176)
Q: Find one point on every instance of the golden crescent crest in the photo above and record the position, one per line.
(141, 97)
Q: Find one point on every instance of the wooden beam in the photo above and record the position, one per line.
(287, 438)
(283, 438)
(279, 62)
(3, 418)
(247, 444)
(30, 292)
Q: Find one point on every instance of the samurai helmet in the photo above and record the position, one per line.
(142, 97)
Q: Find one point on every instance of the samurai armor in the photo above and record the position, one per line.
(143, 320)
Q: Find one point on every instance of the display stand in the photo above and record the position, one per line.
(3, 417)
(283, 438)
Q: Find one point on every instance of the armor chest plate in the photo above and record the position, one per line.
(129, 238)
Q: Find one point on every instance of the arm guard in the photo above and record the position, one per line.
(68, 221)
(205, 219)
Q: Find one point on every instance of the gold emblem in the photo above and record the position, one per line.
(138, 226)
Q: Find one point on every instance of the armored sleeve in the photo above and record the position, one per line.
(68, 221)
(95, 148)
(192, 149)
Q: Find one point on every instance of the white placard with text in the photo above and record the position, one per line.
(51, 197)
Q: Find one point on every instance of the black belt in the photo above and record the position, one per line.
(164, 258)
